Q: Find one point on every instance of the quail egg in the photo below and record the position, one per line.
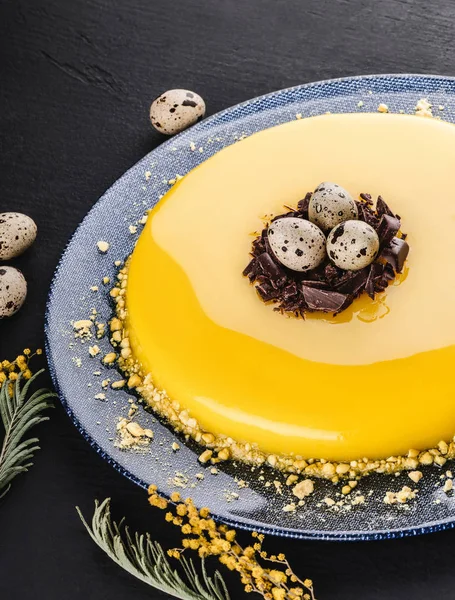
(175, 110)
(296, 243)
(13, 290)
(352, 245)
(331, 204)
(17, 233)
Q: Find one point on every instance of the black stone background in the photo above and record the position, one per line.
(76, 81)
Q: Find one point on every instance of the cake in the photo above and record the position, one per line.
(238, 376)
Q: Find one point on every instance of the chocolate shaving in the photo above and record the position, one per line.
(366, 214)
(353, 282)
(303, 205)
(328, 288)
(367, 198)
(387, 229)
(271, 269)
(323, 301)
(396, 253)
(382, 208)
(376, 271)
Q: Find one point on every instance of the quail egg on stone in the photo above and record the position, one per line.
(331, 204)
(296, 243)
(352, 245)
(17, 233)
(13, 290)
(175, 110)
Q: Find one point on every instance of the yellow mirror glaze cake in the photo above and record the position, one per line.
(373, 381)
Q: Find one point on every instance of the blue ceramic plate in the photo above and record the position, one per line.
(82, 266)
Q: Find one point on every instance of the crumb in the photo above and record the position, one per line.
(201, 149)
(303, 489)
(100, 396)
(298, 116)
(94, 288)
(77, 361)
(423, 108)
(174, 180)
(180, 480)
(117, 263)
(383, 108)
(448, 485)
(147, 175)
(329, 501)
(143, 220)
(205, 456)
(440, 107)
(83, 328)
(289, 507)
(415, 476)
(93, 350)
(117, 385)
(214, 471)
(291, 479)
(358, 500)
(132, 229)
(401, 497)
(360, 104)
(110, 358)
(135, 429)
(192, 146)
(278, 487)
(103, 247)
(175, 446)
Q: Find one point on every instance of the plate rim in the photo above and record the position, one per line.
(340, 536)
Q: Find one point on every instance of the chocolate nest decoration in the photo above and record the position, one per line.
(328, 288)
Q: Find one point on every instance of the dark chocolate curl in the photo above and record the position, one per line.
(396, 253)
(323, 300)
(352, 282)
(249, 268)
(271, 269)
(376, 270)
(382, 208)
(367, 215)
(267, 292)
(387, 229)
(303, 205)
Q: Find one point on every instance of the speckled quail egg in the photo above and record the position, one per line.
(352, 245)
(175, 110)
(13, 290)
(296, 243)
(17, 233)
(331, 204)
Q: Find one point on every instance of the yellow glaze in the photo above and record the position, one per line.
(374, 381)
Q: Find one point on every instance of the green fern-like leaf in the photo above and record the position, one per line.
(19, 413)
(146, 560)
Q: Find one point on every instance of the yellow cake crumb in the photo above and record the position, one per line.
(415, 476)
(103, 246)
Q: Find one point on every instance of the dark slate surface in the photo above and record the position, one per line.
(76, 80)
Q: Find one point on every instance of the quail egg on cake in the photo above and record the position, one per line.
(175, 110)
(296, 243)
(13, 290)
(331, 204)
(17, 234)
(352, 245)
